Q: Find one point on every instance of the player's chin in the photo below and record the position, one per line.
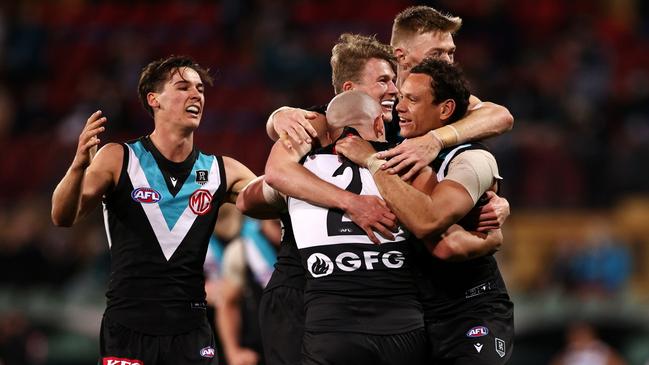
(406, 131)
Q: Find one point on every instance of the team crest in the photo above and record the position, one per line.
(500, 347)
(201, 177)
(200, 202)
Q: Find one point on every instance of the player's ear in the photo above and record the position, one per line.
(400, 54)
(379, 127)
(152, 100)
(447, 109)
(348, 85)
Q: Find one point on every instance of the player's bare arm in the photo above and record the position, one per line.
(258, 200)
(88, 177)
(285, 174)
(458, 244)
(292, 122)
(483, 120)
(229, 313)
(238, 176)
(426, 215)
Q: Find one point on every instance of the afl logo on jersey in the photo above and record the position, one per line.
(146, 195)
(319, 265)
(200, 202)
(477, 331)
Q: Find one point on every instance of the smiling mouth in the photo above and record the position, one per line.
(193, 109)
(387, 104)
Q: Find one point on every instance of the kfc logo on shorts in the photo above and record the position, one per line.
(120, 361)
(477, 331)
(200, 202)
(319, 265)
(146, 195)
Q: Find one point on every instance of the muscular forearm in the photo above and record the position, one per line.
(254, 203)
(66, 198)
(424, 215)
(293, 179)
(285, 174)
(458, 244)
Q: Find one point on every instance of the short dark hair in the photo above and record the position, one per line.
(351, 53)
(156, 73)
(447, 82)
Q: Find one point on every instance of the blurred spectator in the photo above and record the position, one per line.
(598, 266)
(20, 343)
(247, 266)
(583, 347)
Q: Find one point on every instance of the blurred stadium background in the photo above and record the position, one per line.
(575, 74)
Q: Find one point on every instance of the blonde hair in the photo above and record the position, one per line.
(351, 53)
(422, 19)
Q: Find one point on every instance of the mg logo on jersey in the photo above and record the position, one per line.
(208, 352)
(120, 361)
(319, 265)
(145, 195)
(477, 331)
(200, 202)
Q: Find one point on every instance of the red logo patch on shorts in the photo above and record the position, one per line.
(120, 361)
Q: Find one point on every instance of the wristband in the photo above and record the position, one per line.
(448, 135)
(374, 163)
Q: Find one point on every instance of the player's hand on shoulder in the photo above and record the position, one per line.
(295, 124)
(413, 154)
(355, 149)
(89, 140)
(371, 213)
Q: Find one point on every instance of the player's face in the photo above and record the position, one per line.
(417, 113)
(182, 98)
(377, 80)
(437, 45)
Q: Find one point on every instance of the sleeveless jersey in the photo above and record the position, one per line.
(353, 285)
(159, 219)
(288, 267)
(456, 285)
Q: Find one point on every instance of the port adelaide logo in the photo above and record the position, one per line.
(201, 177)
(146, 195)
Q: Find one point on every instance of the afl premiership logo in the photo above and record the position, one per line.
(200, 202)
(145, 195)
(319, 265)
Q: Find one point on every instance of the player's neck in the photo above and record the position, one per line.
(173, 146)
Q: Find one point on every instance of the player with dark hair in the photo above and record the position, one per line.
(469, 316)
(160, 196)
